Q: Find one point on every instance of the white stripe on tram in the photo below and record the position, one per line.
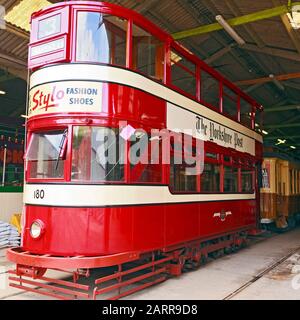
(91, 72)
(114, 195)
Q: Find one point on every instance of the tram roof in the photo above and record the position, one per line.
(272, 48)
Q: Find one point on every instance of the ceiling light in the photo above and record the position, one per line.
(230, 30)
(294, 17)
(293, 147)
(2, 92)
(265, 132)
(280, 141)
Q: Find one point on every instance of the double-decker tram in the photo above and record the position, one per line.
(103, 79)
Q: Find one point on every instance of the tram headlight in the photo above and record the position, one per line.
(36, 229)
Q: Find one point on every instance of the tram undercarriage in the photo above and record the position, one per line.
(121, 274)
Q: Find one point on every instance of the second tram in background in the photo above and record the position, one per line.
(280, 192)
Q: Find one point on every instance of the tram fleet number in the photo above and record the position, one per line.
(39, 194)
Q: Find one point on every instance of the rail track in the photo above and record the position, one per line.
(261, 274)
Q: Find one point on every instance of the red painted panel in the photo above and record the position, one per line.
(96, 231)
(148, 227)
(118, 229)
(68, 231)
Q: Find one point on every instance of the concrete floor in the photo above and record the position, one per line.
(219, 278)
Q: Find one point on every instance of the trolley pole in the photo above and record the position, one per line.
(4, 165)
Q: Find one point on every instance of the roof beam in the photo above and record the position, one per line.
(282, 108)
(252, 17)
(217, 55)
(292, 85)
(12, 59)
(282, 125)
(252, 88)
(280, 137)
(13, 65)
(145, 6)
(17, 31)
(211, 7)
(231, 4)
(169, 25)
(281, 77)
(281, 53)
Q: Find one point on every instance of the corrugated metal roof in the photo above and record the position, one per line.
(20, 14)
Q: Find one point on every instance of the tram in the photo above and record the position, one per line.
(104, 77)
(280, 193)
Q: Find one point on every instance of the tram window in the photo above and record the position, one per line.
(97, 154)
(145, 159)
(227, 158)
(180, 178)
(246, 113)
(230, 101)
(183, 73)
(101, 38)
(148, 53)
(46, 155)
(49, 26)
(247, 180)
(230, 179)
(210, 178)
(210, 89)
(211, 155)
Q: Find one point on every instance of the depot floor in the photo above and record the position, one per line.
(267, 269)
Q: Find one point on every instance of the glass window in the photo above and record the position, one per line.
(180, 178)
(183, 73)
(227, 158)
(247, 180)
(145, 159)
(210, 89)
(49, 26)
(246, 113)
(46, 154)
(97, 154)
(230, 100)
(230, 179)
(211, 155)
(148, 53)
(101, 38)
(210, 178)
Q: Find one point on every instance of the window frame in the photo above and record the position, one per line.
(58, 55)
(184, 154)
(75, 35)
(28, 163)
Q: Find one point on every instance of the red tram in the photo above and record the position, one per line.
(94, 66)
